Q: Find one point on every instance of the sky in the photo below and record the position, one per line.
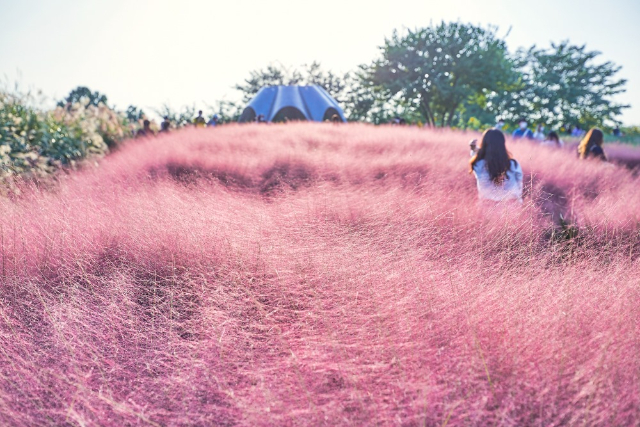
(149, 53)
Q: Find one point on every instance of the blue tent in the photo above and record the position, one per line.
(276, 103)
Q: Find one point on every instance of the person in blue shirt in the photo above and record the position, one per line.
(522, 131)
(214, 121)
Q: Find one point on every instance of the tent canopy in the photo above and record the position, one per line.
(277, 103)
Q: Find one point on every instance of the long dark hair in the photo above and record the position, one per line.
(592, 138)
(494, 152)
(554, 137)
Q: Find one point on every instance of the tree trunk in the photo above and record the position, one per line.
(426, 111)
(452, 112)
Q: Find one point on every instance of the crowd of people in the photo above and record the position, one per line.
(499, 176)
(165, 125)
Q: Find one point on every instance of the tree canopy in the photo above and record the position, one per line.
(94, 98)
(564, 84)
(437, 68)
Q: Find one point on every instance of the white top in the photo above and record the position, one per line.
(509, 189)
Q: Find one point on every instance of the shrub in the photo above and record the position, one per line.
(36, 142)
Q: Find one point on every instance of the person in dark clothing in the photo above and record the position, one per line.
(165, 126)
(146, 129)
(591, 145)
(199, 121)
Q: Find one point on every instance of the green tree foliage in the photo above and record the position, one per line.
(270, 76)
(227, 111)
(436, 70)
(362, 101)
(181, 118)
(82, 92)
(134, 114)
(563, 84)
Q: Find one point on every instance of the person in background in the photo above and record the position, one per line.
(617, 132)
(199, 121)
(165, 126)
(539, 133)
(473, 147)
(577, 131)
(553, 140)
(522, 131)
(499, 124)
(591, 145)
(336, 119)
(146, 130)
(498, 175)
(214, 121)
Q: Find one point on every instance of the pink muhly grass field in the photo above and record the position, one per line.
(316, 274)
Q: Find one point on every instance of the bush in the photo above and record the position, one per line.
(35, 142)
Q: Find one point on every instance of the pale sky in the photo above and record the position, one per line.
(148, 53)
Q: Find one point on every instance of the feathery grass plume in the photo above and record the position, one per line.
(320, 275)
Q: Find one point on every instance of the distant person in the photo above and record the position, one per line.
(539, 133)
(473, 147)
(214, 121)
(199, 121)
(577, 131)
(591, 145)
(617, 132)
(165, 126)
(523, 131)
(260, 118)
(499, 124)
(336, 119)
(498, 175)
(553, 140)
(146, 129)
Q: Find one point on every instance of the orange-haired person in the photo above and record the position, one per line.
(591, 145)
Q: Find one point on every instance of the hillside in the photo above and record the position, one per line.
(314, 274)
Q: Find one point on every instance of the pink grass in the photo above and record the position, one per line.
(314, 274)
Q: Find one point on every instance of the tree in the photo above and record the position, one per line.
(134, 114)
(437, 69)
(94, 98)
(181, 118)
(270, 76)
(562, 84)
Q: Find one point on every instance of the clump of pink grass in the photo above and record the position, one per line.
(320, 275)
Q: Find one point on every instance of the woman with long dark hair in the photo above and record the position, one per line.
(591, 145)
(498, 175)
(553, 140)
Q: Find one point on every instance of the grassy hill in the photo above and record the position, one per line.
(313, 274)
